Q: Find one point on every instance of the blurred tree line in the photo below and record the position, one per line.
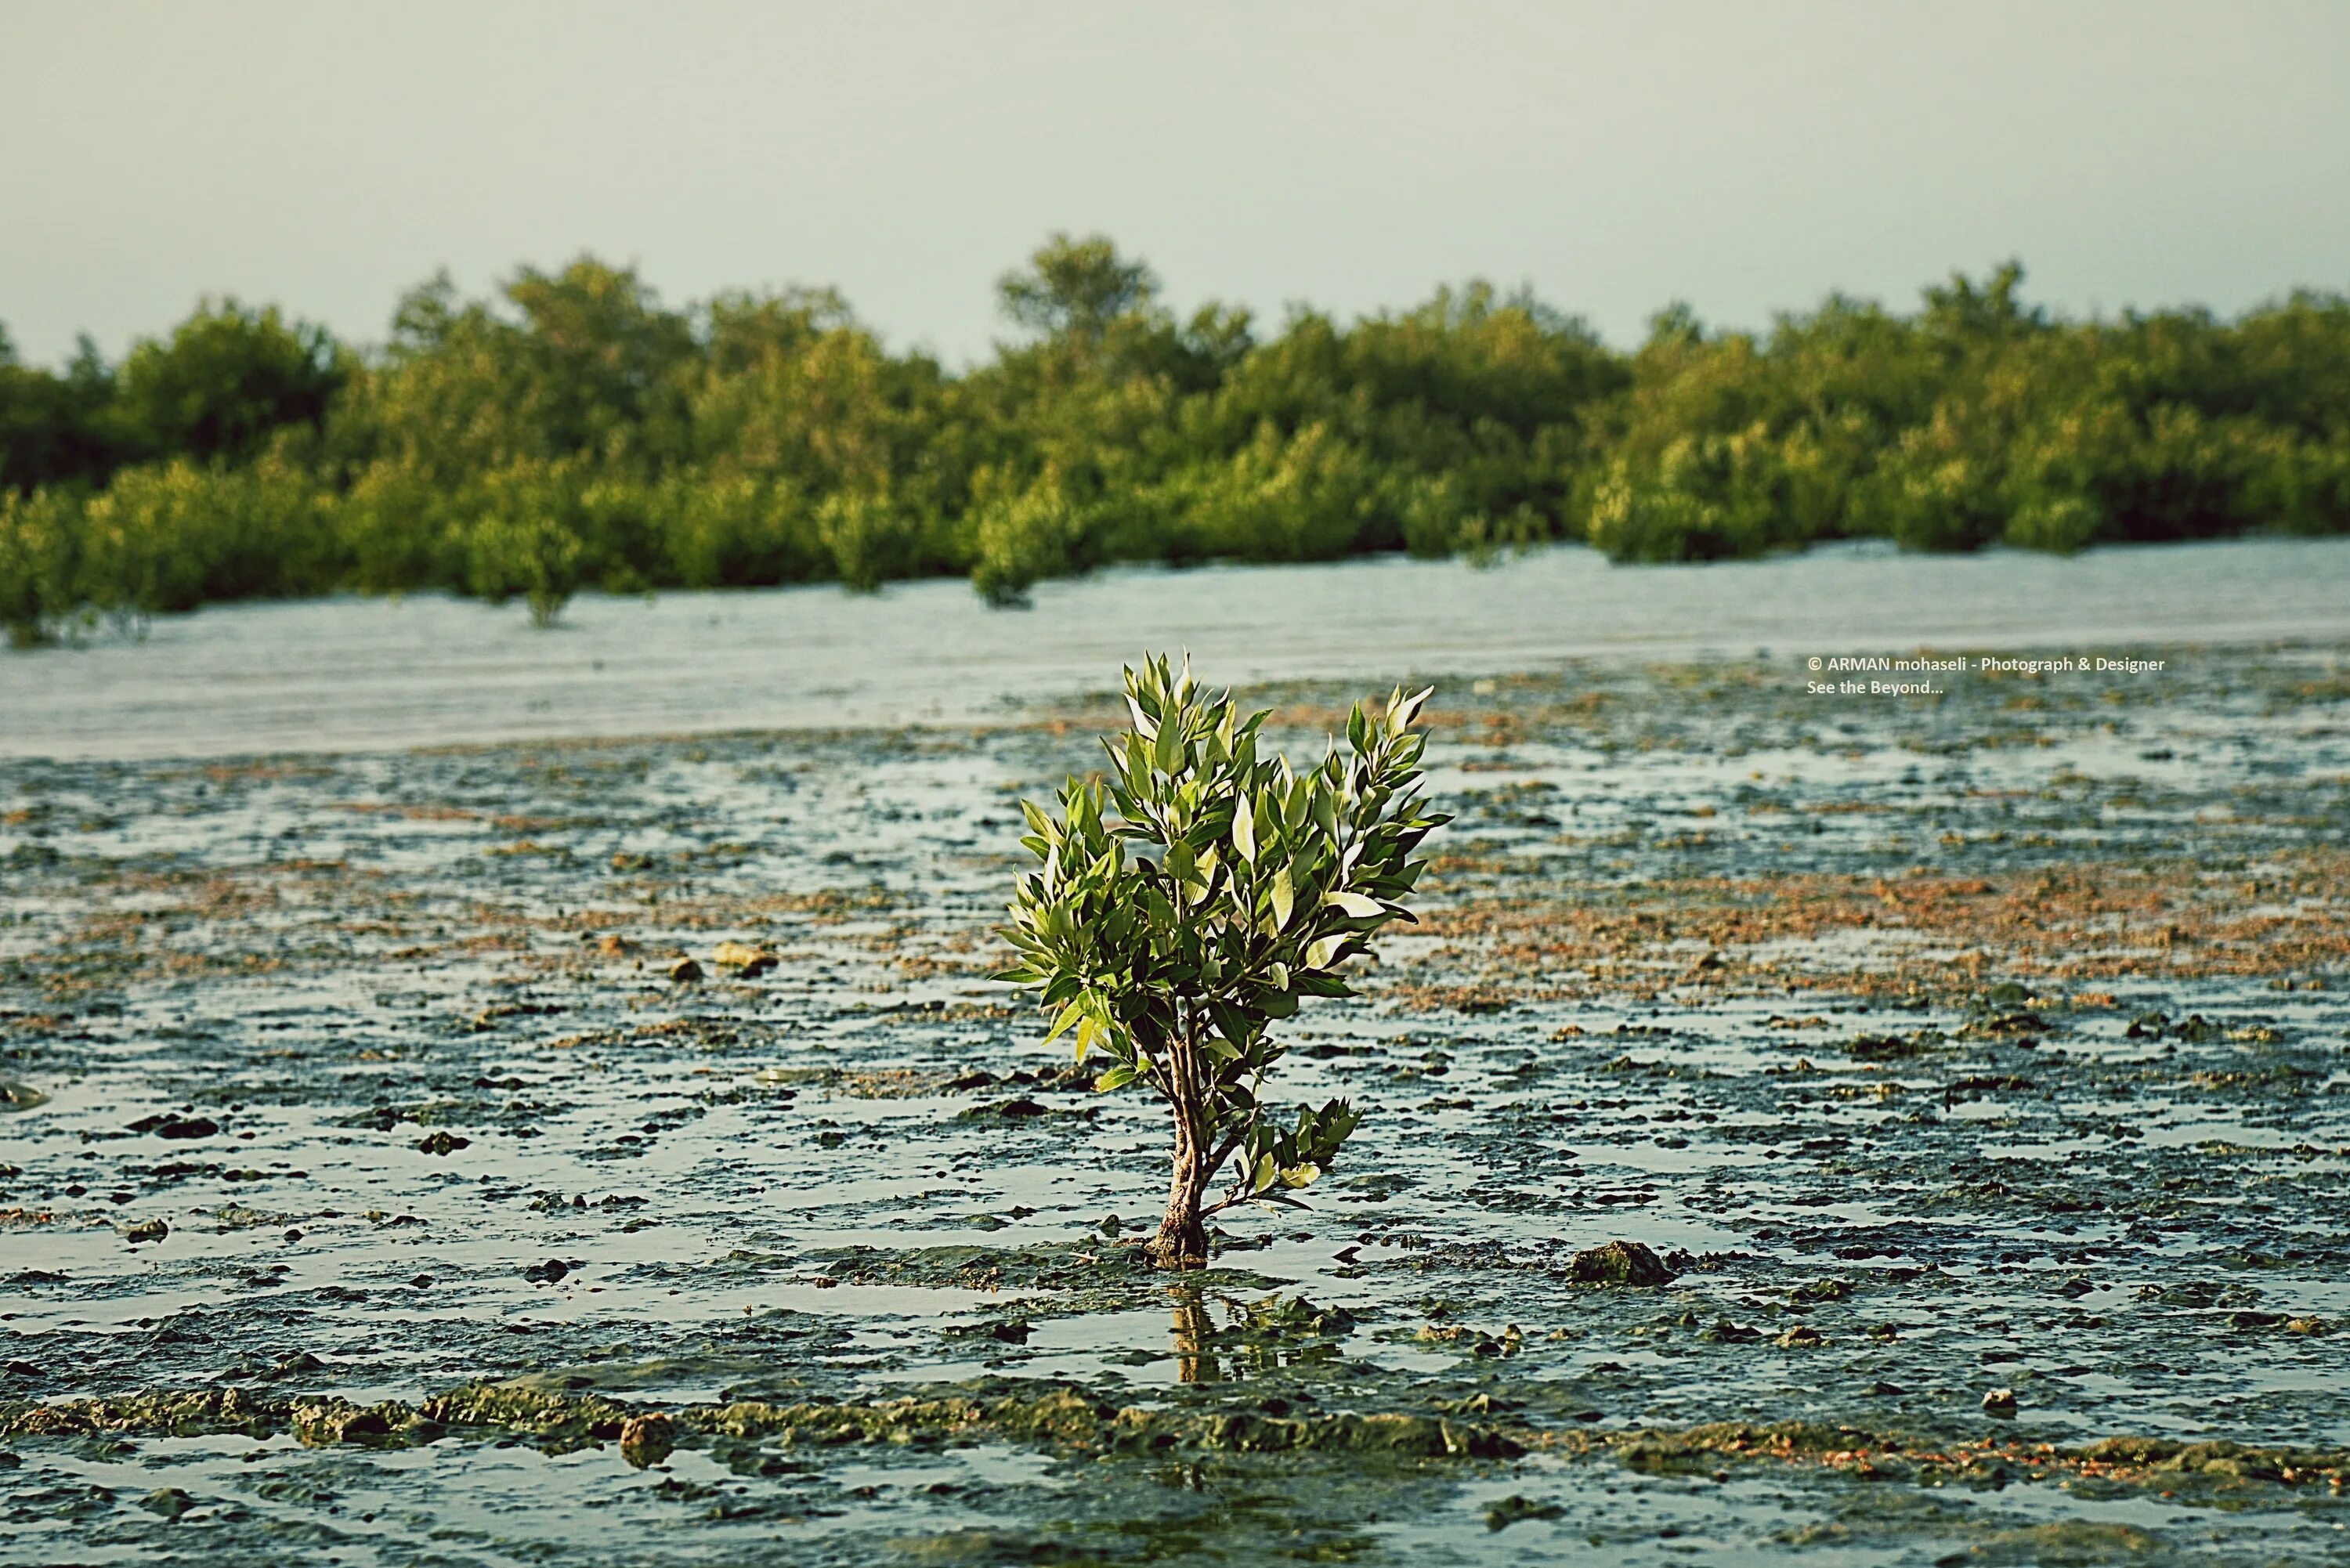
(575, 432)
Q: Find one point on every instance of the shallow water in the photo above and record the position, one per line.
(1848, 1007)
(351, 674)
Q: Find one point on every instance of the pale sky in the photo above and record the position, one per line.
(1744, 156)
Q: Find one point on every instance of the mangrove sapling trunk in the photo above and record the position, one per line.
(1182, 1239)
(1192, 901)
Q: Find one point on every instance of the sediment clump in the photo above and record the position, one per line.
(1620, 1264)
(1052, 1415)
(1069, 1417)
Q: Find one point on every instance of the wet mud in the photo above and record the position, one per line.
(614, 1152)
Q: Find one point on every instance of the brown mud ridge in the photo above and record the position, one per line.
(1958, 1084)
(1939, 936)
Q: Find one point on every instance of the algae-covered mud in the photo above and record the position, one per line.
(614, 1153)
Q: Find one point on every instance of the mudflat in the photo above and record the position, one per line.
(379, 1183)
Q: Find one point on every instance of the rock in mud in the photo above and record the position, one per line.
(171, 1501)
(19, 1096)
(1296, 1314)
(1999, 1402)
(443, 1142)
(169, 1124)
(646, 1440)
(1512, 1509)
(335, 1421)
(551, 1270)
(146, 1231)
(1011, 1110)
(684, 970)
(743, 959)
(1011, 1331)
(1620, 1264)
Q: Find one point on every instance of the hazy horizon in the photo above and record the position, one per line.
(326, 160)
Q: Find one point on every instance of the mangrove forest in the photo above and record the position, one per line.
(576, 432)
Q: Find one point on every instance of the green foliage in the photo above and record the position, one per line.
(168, 536)
(1077, 286)
(732, 529)
(1193, 897)
(40, 543)
(572, 430)
(223, 382)
(57, 429)
(1022, 538)
(527, 533)
(1980, 421)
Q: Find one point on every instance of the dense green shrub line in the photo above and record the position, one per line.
(575, 432)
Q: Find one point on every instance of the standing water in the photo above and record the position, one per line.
(351, 674)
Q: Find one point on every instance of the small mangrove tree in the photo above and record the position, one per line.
(1192, 897)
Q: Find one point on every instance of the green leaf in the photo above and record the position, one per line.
(1116, 1078)
(1244, 832)
(1168, 750)
(1284, 899)
(1065, 1021)
(1399, 718)
(1354, 904)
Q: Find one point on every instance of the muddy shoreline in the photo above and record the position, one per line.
(1993, 1045)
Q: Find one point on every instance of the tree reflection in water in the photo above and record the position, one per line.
(1195, 1360)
